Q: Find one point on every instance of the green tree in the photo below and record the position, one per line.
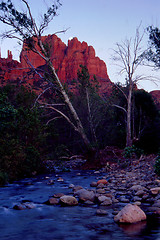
(21, 134)
(146, 122)
(152, 54)
(91, 108)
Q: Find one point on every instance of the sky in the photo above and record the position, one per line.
(100, 23)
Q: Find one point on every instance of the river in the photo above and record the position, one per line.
(46, 222)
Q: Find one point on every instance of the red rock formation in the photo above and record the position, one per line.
(67, 59)
(156, 97)
(9, 70)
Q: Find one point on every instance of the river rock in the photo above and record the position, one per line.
(156, 203)
(101, 212)
(50, 182)
(137, 188)
(130, 214)
(123, 199)
(53, 201)
(93, 184)
(58, 195)
(101, 191)
(104, 181)
(107, 202)
(137, 203)
(60, 179)
(76, 188)
(85, 195)
(155, 190)
(71, 185)
(104, 201)
(140, 193)
(100, 185)
(23, 206)
(68, 200)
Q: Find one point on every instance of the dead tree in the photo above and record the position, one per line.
(127, 57)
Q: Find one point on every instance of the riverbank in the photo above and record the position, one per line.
(128, 181)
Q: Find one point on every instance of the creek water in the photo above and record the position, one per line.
(46, 222)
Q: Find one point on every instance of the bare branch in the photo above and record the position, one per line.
(31, 16)
(120, 89)
(63, 115)
(122, 108)
(52, 119)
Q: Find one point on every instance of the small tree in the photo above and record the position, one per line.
(152, 54)
(126, 55)
(24, 28)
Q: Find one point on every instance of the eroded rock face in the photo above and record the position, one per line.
(156, 97)
(130, 214)
(66, 60)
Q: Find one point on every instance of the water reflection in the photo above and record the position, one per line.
(134, 229)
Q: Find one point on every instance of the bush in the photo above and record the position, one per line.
(21, 135)
(133, 151)
(157, 165)
(3, 178)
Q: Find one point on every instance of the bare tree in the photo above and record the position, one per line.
(23, 27)
(127, 57)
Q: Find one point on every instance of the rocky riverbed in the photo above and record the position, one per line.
(136, 184)
(85, 201)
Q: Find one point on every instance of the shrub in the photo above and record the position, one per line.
(3, 178)
(157, 165)
(133, 151)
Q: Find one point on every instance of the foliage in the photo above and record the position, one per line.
(21, 135)
(146, 122)
(24, 28)
(153, 53)
(157, 164)
(61, 151)
(145, 119)
(24, 23)
(157, 167)
(3, 178)
(133, 151)
(91, 108)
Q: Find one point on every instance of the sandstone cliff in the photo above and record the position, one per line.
(67, 58)
(156, 97)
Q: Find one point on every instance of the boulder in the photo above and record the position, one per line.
(68, 200)
(85, 195)
(130, 214)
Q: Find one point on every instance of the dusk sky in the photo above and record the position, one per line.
(100, 23)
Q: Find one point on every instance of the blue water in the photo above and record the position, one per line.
(62, 223)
